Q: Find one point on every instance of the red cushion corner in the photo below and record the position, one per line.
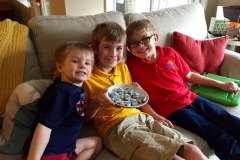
(201, 55)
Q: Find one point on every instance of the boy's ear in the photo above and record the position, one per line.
(59, 67)
(156, 38)
(94, 47)
(128, 49)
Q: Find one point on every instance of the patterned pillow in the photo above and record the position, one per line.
(21, 110)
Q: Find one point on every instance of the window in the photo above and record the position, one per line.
(25, 2)
(143, 5)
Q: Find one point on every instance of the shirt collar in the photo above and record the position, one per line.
(104, 76)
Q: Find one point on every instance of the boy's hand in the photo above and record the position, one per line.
(103, 99)
(164, 121)
(230, 86)
(136, 84)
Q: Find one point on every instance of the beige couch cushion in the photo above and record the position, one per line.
(166, 21)
(32, 68)
(48, 32)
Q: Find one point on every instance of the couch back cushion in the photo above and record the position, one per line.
(32, 68)
(48, 32)
(187, 19)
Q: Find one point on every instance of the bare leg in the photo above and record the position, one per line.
(192, 152)
(88, 148)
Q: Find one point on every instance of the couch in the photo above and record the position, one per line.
(47, 32)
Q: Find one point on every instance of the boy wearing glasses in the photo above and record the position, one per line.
(128, 132)
(162, 73)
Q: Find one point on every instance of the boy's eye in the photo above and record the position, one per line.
(75, 61)
(88, 63)
(107, 47)
(145, 39)
(119, 48)
(134, 43)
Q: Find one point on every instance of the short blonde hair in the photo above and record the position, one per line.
(111, 31)
(63, 50)
(139, 26)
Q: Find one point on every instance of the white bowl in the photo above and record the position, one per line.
(135, 89)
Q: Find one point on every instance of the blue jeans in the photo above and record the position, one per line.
(219, 128)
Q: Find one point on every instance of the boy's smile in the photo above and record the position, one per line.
(109, 54)
(143, 45)
(76, 68)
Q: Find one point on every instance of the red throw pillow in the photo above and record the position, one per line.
(201, 55)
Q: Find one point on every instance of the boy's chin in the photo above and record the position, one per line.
(113, 64)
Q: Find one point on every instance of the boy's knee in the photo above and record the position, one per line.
(190, 148)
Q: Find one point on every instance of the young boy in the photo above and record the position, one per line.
(61, 116)
(162, 73)
(128, 132)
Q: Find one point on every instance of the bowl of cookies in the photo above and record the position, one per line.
(128, 95)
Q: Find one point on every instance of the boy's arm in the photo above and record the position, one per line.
(101, 100)
(148, 109)
(90, 111)
(39, 142)
(196, 78)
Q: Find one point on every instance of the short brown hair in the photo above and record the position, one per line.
(139, 26)
(62, 51)
(111, 31)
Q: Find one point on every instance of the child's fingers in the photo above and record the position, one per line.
(104, 90)
(118, 106)
(136, 84)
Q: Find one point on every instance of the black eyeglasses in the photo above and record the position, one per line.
(142, 41)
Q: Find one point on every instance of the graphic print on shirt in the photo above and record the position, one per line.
(170, 65)
(79, 105)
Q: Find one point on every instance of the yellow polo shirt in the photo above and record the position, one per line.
(99, 80)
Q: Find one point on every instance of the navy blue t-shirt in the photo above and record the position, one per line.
(62, 111)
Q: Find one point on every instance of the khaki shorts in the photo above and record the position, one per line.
(140, 137)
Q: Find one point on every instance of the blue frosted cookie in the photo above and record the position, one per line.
(142, 99)
(134, 102)
(129, 90)
(126, 97)
(117, 100)
(120, 91)
(135, 95)
(113, 94)
(127, 103)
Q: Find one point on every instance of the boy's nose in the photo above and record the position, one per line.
(81, 65)
(140, 44)
(113, 53)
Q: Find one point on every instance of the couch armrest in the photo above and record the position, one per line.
(231, 64)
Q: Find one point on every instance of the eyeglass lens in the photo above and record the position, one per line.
(142, 41)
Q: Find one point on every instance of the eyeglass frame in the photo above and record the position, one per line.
(141, 41)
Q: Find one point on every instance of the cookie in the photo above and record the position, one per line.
(142, 99)
(117, 100)
(134, 102)
(135, 95)
(113, 94)
(126, 97)
(127, 103)
(120, 91)
(129, 90)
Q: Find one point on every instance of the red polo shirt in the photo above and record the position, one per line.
(163, 80)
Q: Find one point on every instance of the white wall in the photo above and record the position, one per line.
(84, 7)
